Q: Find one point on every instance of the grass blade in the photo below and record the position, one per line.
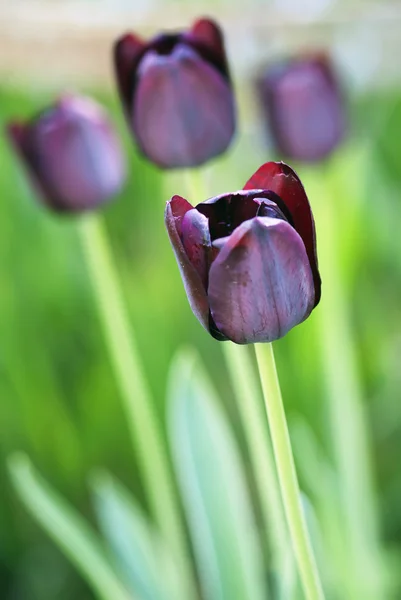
(141, 555)
(213, 487)
(68, 529)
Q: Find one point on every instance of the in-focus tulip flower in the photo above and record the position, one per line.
(303, 106)
(177, 94)
(72, 154)
(248, 258)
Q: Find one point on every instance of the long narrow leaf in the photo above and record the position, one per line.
(319, 478)
(68, 529)
(213, 486)
(141, 554)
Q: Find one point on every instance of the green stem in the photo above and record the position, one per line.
(286, 473)
(144, 427)
(253, 419)
(256, 431)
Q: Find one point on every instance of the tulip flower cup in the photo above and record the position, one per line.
(248, 259)
(177, 94)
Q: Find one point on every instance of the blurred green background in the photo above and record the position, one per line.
(58, 397)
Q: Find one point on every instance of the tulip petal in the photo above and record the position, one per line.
(270, 208)
(128, 51)
(304, 108)
(176, 209)
(260, 285)
(19, 136)
(17, 132)
(281, 179)
(76, 154)
(183, 109)
(208, 34)
(195, 238)
(227, 211)
(72, 154)
(179, 207)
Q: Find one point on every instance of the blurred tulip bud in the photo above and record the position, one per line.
(177, 94)
(303, 106)
(72, 153)
(248, 259)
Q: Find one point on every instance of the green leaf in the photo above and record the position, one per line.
(324, 517)
(215, 495)
(68, 529)
(141, 554)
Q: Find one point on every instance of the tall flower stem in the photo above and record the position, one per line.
(254, 423)
(142, 420)
(250, 406)
(287, 474)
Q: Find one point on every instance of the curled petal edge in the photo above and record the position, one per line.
(176, 208)
(283, 180)
(209, 33)
(127, 52)
(206, 35)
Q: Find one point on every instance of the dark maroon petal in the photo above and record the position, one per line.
(16, 133)
(74, 154)
(128, 51)
(78, 154)
(176, 209)
(164, 43)
(260, 284)
(281, 179)
(19, 136)
(209, 33)
(227, 211)
(179, 208)
(217, 245)
(206, 35)
(183, 109)
(268, 208)
(304, 108)
(195, 238)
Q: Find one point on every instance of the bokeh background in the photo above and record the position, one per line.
(58, 396)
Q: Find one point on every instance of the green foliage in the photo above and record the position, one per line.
(59, 401)
(140, 554)
(213, 487)
(67, 529)
(222, 526)
(59, 397)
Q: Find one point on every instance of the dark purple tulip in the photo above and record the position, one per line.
(177, 94)
(248, 258)
(72, 154)
(303, 106)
